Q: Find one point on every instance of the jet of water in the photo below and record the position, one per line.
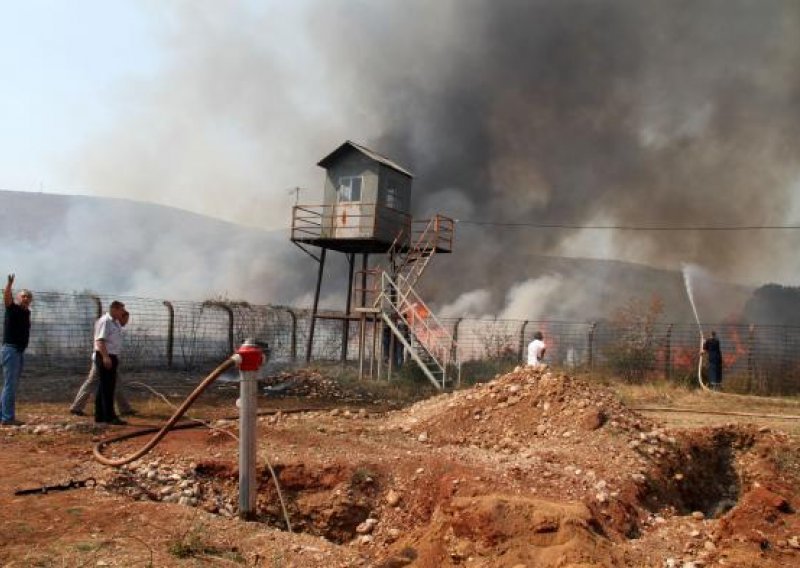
(686, 268)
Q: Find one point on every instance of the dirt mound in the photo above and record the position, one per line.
(568, 439)
(523, 405)
(760, 511)
(509, 531)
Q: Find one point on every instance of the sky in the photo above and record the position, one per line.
(63, 65)
(87, 91)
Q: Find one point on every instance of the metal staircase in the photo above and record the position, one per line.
(426, 237)
(427, 340)
(402, 310)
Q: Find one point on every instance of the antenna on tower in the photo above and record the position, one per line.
(296, 191)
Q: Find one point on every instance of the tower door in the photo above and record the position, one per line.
(351, 218)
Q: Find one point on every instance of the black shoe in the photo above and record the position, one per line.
(117, 422)
(77, 412)
(12, 423)
(130, 412)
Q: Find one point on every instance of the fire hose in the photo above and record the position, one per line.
(169, 425)
(248, 358)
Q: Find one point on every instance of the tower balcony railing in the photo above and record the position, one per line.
(349, 220)
(436, 232)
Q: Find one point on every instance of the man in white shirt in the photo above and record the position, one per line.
(89, 386)
(107, 347)
(536, 350)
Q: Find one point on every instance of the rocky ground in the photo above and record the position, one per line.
(530, 469)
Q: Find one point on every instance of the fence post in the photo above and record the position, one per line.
(98, 305)
(453, 345)
(591, 345)
(170, 332)
(751, 336)
(522, 341)
(293, 339)
(227, 308)
(668, 354)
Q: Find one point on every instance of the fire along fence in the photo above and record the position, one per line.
(190, 336)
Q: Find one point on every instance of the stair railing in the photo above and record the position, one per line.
(431, 335)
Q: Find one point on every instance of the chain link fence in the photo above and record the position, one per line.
(198, 335)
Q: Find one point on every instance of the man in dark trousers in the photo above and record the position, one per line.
(16, 332)
(90, 385)
(712, 350)
(107, 347)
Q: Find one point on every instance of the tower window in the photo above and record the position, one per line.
(349, 188)
(393, 200)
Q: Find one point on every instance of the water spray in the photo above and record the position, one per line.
(687, 281)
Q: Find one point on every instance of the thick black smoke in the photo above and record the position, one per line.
(582, 112)
(774, 304)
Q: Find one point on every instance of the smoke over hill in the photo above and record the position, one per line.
(71, 243)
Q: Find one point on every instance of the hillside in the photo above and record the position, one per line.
(67, 243)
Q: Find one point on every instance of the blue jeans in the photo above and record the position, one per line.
(13, 361)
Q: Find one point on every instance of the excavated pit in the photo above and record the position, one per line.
(329, 501)
(700, 475)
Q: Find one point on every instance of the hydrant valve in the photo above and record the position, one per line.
(252, 356)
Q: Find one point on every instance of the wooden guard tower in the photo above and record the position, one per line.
(366, 211)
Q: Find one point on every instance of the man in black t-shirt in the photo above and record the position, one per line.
(16, 332)
(712, 350)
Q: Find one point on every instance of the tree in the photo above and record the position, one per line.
(632, 351)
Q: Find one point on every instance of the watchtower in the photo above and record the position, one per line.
(366, 210)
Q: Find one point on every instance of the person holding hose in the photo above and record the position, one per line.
(713, 352)
(16, 333)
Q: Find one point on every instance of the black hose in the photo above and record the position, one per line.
(171, 423)
(213, 376)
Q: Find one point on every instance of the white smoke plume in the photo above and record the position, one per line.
(469, 304)
(534, 298)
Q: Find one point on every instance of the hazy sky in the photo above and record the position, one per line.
(103, 98)
(62, 66)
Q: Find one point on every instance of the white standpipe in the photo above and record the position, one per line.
(247, 444)
(252, 358)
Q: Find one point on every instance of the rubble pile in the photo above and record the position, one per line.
(172, 481)
(309, 383)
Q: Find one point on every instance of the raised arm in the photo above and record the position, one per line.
(8, 297)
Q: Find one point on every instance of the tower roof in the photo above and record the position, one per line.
(349, 145)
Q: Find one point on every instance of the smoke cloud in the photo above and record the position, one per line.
(628, 112)
(625, 112)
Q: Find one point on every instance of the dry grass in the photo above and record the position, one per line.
(701, 406)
